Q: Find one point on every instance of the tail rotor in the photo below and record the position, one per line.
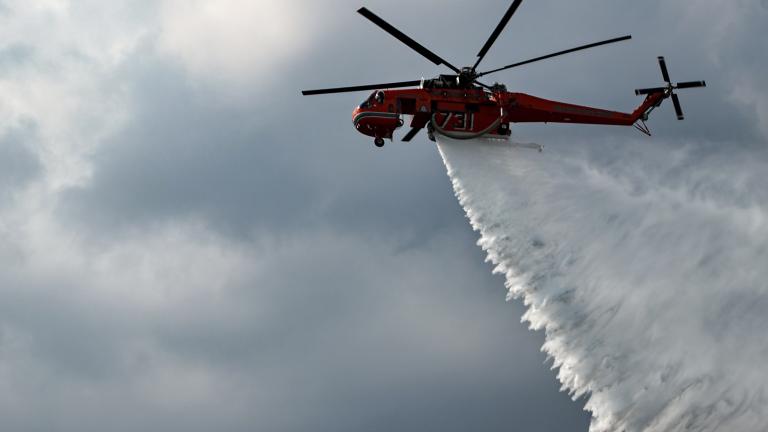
(669, 89)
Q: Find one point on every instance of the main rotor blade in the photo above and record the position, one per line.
(559, 53)
(691, 84)
(361, 88)
(402, 37)
(495, 35)
(646, 91)
(412, 133)
(678, 108)
(664, 71)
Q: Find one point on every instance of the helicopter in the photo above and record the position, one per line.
(460, 106)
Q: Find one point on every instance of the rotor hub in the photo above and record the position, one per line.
(467, 76)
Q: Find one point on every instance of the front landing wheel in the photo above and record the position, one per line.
(379, 142)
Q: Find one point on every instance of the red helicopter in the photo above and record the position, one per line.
(459, 106)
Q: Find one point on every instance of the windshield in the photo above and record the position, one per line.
(367, 103)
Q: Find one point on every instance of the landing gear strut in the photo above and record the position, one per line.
(379, 142)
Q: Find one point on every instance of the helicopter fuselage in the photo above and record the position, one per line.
(471, 112)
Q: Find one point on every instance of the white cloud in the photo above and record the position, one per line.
(232, 43)
(64, 86)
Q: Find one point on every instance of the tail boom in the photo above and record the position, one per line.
(523, 108)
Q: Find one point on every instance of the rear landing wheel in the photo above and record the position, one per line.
(379, 142)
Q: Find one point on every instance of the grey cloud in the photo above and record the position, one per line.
(18, 163)
(180, 156)
(253, 169)
(341, 343)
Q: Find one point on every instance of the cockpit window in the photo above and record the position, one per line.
(368, 102)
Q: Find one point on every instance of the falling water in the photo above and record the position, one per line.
(646, 266)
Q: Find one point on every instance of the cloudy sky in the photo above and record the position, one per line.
(186, 243)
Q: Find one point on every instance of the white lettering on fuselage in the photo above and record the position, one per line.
(447, 119)
(461, 123)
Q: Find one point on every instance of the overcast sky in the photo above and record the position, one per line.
(186, 243)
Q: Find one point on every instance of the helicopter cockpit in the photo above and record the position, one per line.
(374, 99)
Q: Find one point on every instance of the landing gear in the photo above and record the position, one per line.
(379, 142)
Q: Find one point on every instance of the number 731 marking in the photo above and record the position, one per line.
(460, 121)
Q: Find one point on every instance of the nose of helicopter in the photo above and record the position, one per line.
(355, 112)
(361, 122)
(375, 122)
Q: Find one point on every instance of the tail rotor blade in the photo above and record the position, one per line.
(678, 108)
(664, 71)
(691, 84)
